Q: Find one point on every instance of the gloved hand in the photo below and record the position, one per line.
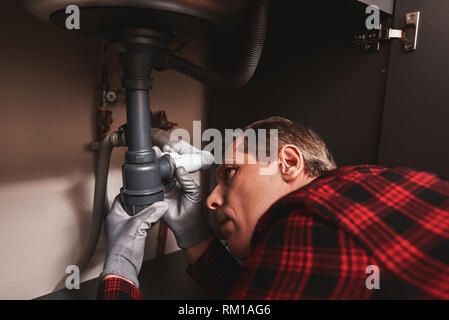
(184, 216)
(161, 139)
(180, 147)
(126, 239)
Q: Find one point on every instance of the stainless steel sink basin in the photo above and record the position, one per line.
(164, 15)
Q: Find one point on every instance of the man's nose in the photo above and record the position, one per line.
(215, 199)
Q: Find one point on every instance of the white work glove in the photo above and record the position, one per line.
(200, 159)
(126, 238)
(184, 216)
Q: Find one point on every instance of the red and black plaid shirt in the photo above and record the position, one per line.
(118, 289)
(317, 242)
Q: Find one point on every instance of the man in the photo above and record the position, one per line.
(309, 230)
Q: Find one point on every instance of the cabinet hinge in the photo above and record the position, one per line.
(371, 39)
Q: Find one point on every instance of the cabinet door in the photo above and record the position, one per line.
(415, 126)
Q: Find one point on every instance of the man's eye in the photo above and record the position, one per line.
(230, 171)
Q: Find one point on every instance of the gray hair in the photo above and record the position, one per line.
(317, 158)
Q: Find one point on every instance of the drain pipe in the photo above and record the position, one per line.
(194, 161)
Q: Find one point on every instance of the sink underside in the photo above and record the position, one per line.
(180, 16)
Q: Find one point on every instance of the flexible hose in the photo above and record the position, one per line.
(115, 139)
(256, 39)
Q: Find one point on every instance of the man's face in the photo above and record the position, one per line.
(241, 197)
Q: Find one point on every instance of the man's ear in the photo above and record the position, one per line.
(291, 162)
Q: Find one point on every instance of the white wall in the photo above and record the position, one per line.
(48, 94)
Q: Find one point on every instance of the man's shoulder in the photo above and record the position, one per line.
(391, 173)
(374, 178)
(361, 187)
